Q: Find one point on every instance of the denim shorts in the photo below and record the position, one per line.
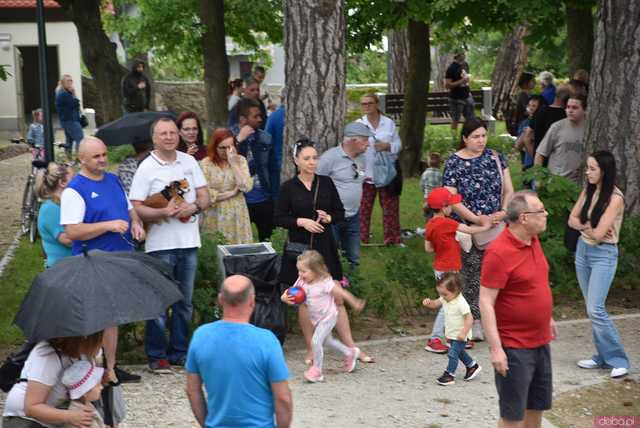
(527, 385)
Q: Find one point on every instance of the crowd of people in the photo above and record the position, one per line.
(491, 273)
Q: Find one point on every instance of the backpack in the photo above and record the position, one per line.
(12, 366)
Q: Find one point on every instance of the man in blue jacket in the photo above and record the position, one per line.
(275, 128)
(256, 145)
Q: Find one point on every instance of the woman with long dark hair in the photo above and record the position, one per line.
(598, 216)
(191, 135)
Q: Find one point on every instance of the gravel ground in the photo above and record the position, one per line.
(397, 391)
(13, 176)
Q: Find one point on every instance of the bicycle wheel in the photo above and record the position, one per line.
(33, 227)
(28, 198)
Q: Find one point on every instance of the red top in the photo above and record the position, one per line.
(441, 232)
(524, 304)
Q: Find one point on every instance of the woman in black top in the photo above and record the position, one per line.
(308, 223)
(295, 211)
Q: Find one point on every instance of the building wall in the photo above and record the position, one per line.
(60, 34)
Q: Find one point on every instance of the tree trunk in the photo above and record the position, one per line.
(315, 74)
(613, 108)
(397, 60)
(98, 54)
(579, 34)
(216, 63)
(415, 107)
(510, 61)
(441, 61)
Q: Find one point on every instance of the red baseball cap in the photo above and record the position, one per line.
(441, 197)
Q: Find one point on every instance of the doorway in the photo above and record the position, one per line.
(31, 82)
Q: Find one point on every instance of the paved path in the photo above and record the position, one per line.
(397, 391)
(13, 176)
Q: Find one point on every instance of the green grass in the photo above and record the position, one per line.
(14, 284)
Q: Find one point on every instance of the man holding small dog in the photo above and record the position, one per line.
(172, 235)
(97, 215)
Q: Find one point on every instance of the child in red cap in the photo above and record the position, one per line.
(440, 238)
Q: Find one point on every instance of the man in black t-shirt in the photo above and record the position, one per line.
(544, 118)
(460, 99)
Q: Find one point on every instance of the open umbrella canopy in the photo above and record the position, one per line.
(85, 294)
(130, 128)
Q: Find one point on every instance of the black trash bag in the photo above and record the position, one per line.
(263, 270)
(271, 313)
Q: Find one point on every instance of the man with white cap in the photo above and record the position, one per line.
(345, 165)
(83, 380)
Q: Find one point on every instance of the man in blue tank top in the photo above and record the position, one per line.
(97, 215)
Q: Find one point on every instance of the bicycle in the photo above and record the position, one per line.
(30, 200)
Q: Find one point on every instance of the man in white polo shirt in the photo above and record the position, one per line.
(172, 236)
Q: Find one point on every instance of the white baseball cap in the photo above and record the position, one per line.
(81, 377)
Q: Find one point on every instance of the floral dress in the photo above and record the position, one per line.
(230, 216)
(478, 180)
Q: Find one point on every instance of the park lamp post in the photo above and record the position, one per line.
(44, 88)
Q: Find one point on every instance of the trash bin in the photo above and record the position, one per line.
(260, 263)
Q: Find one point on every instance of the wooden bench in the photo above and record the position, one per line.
(392, 105)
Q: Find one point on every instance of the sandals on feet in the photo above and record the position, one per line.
(366, 359)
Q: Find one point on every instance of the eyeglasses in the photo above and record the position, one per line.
(370, 103)
(542, 211)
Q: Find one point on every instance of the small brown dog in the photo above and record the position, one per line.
(175, 189)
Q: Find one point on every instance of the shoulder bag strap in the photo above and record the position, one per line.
(496, 157)
(315, 200)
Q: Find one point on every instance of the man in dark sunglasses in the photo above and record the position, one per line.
(345, 165)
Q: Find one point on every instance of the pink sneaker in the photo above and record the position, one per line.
(313, 375)
(349, 363)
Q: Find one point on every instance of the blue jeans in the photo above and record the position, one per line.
(184, 262)
(73, 134)
(595, 268)
(457, 352)
(347, 235)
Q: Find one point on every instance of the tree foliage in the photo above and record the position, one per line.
(172, 30)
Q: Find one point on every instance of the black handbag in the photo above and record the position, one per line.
(395, 187)
(293, 249)
(84, 122)
(571, 236)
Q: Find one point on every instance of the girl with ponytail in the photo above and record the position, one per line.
(49, 185)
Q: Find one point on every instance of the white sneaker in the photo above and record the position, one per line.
(588, 364)
(619, 372)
